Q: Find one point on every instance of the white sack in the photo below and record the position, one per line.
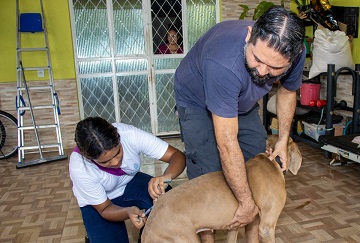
(330, 47)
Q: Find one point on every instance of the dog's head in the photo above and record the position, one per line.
(294, 155)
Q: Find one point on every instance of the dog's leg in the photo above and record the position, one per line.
(268, 219)
(252, 231)
(207, 236)
(267, 185)
(267, 233)
(232, 236)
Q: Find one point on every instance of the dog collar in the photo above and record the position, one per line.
(277, 159)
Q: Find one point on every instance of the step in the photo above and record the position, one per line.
(35, 68)
(32, 49)
(38, 127)
(49, 87)
(26, 108)
(41, 146)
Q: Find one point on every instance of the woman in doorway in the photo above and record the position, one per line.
(171, 46)
(107, 182)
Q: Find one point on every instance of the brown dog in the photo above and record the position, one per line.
(207, 202)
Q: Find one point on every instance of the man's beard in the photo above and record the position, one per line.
(256, 77)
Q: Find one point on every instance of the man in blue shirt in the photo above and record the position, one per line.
(217, 87)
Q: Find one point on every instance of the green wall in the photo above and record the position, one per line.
(59, 34)
(60, 41)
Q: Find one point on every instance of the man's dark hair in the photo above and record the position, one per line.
(94, 136)
(283, 30)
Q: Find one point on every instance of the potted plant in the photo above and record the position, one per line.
(259, 10)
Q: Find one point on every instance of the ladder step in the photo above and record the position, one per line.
(38, 127)
(26, 108)
(41, 146)
(35, 68)
(32, 49)
(35, 87)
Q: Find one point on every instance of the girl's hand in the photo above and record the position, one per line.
(137, 217)
(157, 186)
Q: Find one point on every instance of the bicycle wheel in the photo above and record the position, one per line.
(8, 135)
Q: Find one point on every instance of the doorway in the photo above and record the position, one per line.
(119, 75)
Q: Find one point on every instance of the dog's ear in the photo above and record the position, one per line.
(271, 141)
(295, 157)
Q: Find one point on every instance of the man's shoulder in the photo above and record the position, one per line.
(238, 23)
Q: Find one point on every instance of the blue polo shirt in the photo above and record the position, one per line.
(213, 76)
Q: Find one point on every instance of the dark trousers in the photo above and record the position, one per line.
(202, 155)
(101, 230)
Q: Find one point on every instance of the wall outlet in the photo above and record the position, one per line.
(40, 73)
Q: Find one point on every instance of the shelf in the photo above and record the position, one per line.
(308, 140)
(327, 110)
(307, 107)
(317, 109)
(305, 139)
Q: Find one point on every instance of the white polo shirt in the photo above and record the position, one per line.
(92, 186)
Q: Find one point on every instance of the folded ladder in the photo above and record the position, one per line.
(38, 107)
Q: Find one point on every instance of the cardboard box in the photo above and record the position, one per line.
(338, 129)
(274, 123)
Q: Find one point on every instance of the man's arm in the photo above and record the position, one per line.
(285, 109)
(233, 166)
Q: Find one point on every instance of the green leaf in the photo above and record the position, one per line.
(261, 8)
(245, 11)
(300, 2)
(296, 1)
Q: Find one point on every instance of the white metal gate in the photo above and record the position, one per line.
(119, 76)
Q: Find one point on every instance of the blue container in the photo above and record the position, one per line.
(30, 22)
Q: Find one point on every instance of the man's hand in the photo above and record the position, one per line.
(281, 151)
(233, 166)
(244, 215)
(285, 109)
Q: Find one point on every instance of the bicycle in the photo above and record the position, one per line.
(8, 135)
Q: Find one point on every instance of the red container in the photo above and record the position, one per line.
(308, 92)
(321, 103)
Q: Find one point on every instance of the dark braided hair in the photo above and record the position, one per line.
(94, 136)
(284, 31)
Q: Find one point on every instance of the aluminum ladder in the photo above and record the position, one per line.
(38, 106)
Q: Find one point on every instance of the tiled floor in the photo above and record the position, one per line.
(323, 205)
